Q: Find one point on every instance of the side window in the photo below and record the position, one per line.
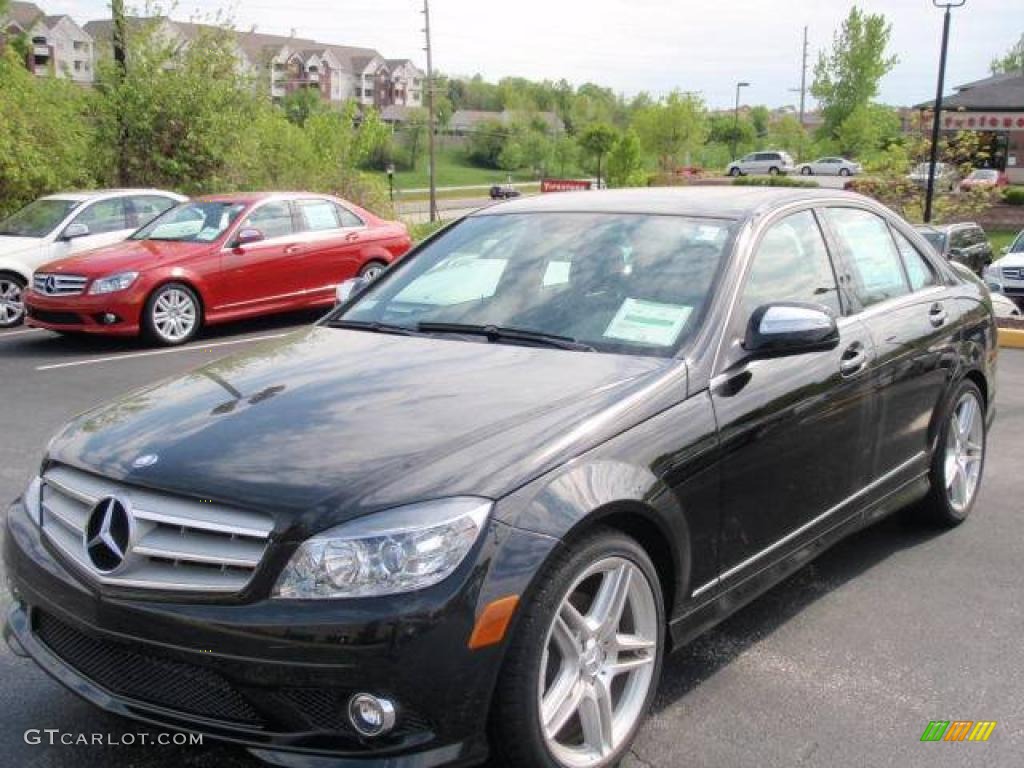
(104, 216)
(347, 218)
(919, 270)
(791, 263)
(318, 215)
(144, 208)
(960, 238)
(272, 219)
(871, 253)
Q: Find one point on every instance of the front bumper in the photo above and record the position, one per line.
(84, 313)
(274, 676)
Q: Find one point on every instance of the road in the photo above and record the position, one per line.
(842, 665)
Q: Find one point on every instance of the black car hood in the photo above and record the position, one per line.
(338, 422)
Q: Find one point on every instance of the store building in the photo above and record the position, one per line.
(994, 107)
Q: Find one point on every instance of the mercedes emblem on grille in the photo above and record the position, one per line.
(50, 284)
(108, 532)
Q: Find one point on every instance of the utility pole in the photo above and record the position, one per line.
(803, 81)
(432, 116)
(120, 61)
(930, 192)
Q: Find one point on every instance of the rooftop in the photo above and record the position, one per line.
(1000, 92)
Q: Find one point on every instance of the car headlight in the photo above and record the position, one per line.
(390, 552)
(113, 283)
(32, 498)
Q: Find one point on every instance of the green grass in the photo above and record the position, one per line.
(453, 170)
(1000, 238)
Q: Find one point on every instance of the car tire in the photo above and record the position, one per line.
(373, 269)
(173, 315)
(734, 172)
(536, 672)
(958, 463)
(806, 171)
(773, 171)
(844, 171)
(12, 300)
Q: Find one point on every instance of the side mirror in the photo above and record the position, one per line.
(790, 328)
(349, 289)
(248, 235)
(73, 230)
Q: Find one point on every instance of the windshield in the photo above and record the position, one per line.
(1018, 244)
(194, 222)
(38, 219)
(624, 283)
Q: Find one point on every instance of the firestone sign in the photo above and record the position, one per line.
(984, 121)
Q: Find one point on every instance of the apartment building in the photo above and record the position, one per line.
(55, 45)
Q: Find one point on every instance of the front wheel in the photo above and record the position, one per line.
(12, 302)
(172, 315)
(734, 172)
(773, 171)
(372, 270)
(806, 170)
(958, 461)
(583, 665)
(844, 171)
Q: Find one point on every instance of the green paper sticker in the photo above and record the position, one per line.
(648, 322)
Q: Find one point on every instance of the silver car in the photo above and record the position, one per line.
(830, 166)
(946, 178)
(772, 163)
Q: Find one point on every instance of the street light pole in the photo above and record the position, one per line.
(431, 116)
(937, 107)
(736, 119)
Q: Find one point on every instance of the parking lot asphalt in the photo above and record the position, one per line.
(844, 664)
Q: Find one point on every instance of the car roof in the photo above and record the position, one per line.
(727, 202)
(97, 194)
(256, 197)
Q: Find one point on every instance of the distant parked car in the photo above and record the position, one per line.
(213, 260)
(964, 243)
(946, 177)
(772, 163)
(984, 177)
(59, 225)
(1006, 274)
(504, 192)
(830, 166)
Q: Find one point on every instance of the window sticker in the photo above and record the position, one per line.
(648, 322)
(557, 273)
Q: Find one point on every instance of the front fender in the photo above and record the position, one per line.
(17, 266)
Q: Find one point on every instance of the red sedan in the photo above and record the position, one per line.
(213, 260)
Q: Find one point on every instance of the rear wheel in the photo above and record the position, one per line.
(734, 172)
(583, 665)
(372, 269)
(173, 314)
(773, 171)
(806, 170)
(12, 300)
(844, 171)
(958, 461)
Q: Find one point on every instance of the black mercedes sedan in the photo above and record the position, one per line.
(471, 510)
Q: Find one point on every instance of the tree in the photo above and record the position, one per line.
(787, 134)
(725, 131)
(625, 162)
(414, 134)
(672, 128)
(759, 117)
(301, 103)
(486, 142)
(867, 129)
(848, 76)
(565, 153)
(1011, 61)
(597, 140)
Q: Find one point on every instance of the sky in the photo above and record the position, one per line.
(632, 45)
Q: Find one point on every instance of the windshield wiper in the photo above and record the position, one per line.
(373, 327)
(495, 333)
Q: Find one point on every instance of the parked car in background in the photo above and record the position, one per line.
(830, 166)
(473, 509)
(984, 177)
(965, 243)
(1006, 274)
(946, 177)
(212, 260)
(56, 226)
(504, 192)
(772, 163)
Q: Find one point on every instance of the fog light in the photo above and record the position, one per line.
(110, 318)
(370, 715)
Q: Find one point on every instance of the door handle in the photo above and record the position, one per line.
(854, 359)
(292, 249)
(351, 237)
(937, 315)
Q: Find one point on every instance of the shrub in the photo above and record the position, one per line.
(772, 181)
(1013, 195)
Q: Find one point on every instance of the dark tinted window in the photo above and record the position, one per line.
(349, 219)
(960, 238)
(791, 263)
(919, 270)
(871, 253)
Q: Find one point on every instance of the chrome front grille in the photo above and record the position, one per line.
(58, 285)
(175, 543)
(1013, 273)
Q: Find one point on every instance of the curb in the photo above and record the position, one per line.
(1011, 337)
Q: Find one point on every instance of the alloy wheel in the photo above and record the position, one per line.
(174, 315)
(12, 307)
(965, 450)
(372, 271)
(598, 663)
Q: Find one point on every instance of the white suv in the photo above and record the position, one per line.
(57, 226)
(772, 163)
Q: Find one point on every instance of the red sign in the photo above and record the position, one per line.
(982, 120)
(565, 185)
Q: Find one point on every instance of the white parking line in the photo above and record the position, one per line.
(8, 334)
(151, 353)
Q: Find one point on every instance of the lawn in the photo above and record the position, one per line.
(454, 170)
(1000, 238)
